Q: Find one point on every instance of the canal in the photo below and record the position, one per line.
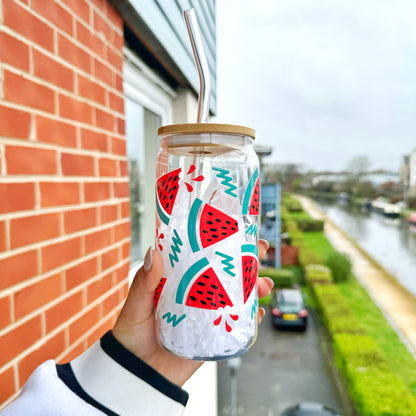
(389, 241)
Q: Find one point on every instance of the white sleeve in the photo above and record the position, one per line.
(106, 379)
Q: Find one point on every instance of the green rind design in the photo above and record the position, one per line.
(249, 190)
(188, 276)
(193, 214)
(162, 215)
(250, 248)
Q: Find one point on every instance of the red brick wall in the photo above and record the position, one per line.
(64, 216)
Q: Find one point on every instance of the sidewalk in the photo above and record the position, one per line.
(396, 302)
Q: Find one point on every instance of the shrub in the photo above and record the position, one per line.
(318, 273)
(310, 224)
(340, 265)
(280, 277)
(307, 256)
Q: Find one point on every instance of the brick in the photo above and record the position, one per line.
(14, 52)
(100, 331)
(109, 259)
(122, 231)
(115, 57)
(2, 237)
(121, 126)
(52, 71)
(93, 140)
(104, 120)
(56, 193)
(91, 90)
(99, 287)
(98, 240)
(55, 14)
(17, 197)
(83, 324)
(74, 109)
(5, 317)
(123, 168)
(118, 82)
(35, 296)
(54, 131)
(79, 219)
(19, 339)
(116, 103)
(61, 253)
(14, 123)
(81, 8)
(110, 303)
(21, 90)
(121, 189)
(114, 17)
(91, 40)
(125, 250)
(81, 273)
(27, 25)
(107, 167)
(47, 351)
(101, 26)
(7, 382)
(125, 210)
(96, 191)
(63, 311)
(73, 54)
(77, 165)
(75, 352)
(108, 213)
(122, 272)
(22, 160)
(103, 72)
(29, 230)
(118, 146)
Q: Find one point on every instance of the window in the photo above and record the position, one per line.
(147, 106)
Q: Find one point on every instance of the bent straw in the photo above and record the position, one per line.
(201, 65)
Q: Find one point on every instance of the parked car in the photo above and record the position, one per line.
(289, 310)
(309, 409)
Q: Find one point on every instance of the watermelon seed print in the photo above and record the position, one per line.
(228, 328)
(158, 291)
(251, 195)
(249, 262)
(206, 291)
(214, 225)
(167, 187)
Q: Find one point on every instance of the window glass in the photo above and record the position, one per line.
(142, 148)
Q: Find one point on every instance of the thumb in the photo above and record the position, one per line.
(139, 302)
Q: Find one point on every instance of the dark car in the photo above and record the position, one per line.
(309, 409)
(289, 310)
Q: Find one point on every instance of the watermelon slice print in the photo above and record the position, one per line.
(167, 187)
(214, 225)
(158, 291)
(250, 265)
(251, 195)
(206, 290)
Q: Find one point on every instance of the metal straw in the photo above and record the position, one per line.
(201, 65)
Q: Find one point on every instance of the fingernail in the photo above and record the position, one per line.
(147, 263)
(271, 282)
(265, 243)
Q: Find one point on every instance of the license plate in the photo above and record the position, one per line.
(290, 317)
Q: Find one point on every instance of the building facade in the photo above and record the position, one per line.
(84, 85)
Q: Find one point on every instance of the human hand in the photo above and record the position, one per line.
(136, 326)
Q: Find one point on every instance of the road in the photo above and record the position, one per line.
(281, 369)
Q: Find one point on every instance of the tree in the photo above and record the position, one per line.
(357, 167)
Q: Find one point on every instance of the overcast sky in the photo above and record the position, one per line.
(322, 81)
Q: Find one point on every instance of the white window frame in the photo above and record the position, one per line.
(147, 89)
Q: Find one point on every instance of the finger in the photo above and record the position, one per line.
(260, 314)
(139, 302)
(263, 246)
(264, 286)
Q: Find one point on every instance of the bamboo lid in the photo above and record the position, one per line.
(197, 128)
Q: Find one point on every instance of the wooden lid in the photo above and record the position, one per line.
(197, 128)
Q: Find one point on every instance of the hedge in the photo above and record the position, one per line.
(375, 389)
(280, 277)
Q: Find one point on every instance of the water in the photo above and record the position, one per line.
(390, 241)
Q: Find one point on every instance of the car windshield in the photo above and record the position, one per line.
(290, 301)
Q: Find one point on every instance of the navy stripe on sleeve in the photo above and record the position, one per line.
(139, 368)
(66, 374)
